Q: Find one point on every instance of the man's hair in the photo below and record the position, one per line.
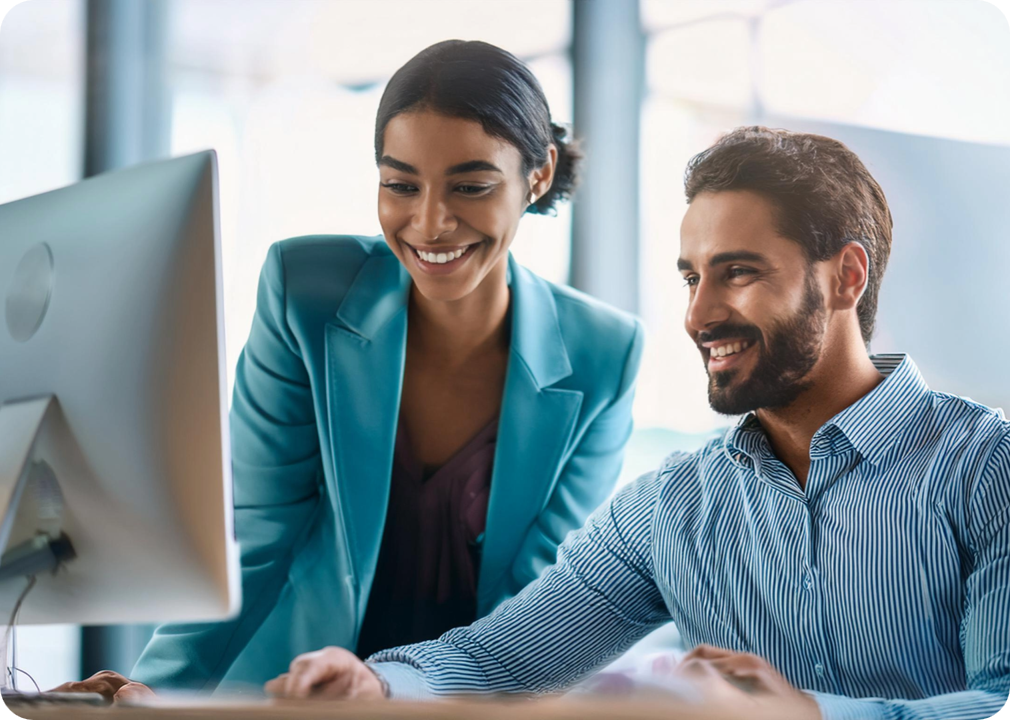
(823, 195)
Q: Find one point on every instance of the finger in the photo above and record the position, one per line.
(696, 668)
(713, 685)
(88, 686)
(133, 692)
(111, 677)
(277, 685)
(708, 652)
(339, 687)
(742, 664)
(313, 669)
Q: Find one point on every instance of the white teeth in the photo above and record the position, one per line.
(730, 349)
(442, 257)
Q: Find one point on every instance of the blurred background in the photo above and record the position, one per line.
(286, 92)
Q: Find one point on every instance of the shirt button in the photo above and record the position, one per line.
(819, 669)
(808, 582)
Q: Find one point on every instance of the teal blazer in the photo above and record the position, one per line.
(313, 425)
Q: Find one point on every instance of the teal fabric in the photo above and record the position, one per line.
(313, 423)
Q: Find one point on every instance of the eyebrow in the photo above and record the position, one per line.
(469, 166)
(472, 166)
(397, 164)
(725, 257)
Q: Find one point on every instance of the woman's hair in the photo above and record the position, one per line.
(477, 81)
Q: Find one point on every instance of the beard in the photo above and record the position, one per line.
(786, 356)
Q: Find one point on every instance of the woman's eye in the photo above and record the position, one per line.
(399, 188)
(472, 189)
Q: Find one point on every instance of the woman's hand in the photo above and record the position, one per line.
(110, 685)
(328, 674)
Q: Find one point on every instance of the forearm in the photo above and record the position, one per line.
(596, 601)
(967, 705)
(545, 639)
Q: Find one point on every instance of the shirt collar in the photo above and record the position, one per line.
(870, 425)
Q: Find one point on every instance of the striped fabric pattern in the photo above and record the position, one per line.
(883, 588)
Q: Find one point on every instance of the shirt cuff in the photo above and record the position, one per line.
(405, 682)
(839, 707)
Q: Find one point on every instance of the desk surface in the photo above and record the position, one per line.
(541, 709)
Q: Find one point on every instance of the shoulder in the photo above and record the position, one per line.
(586, 319)
(961, 427)
(969, 447)
(313, 255)
(600, 340)
(318, 269)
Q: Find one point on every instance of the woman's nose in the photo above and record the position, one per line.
(433, 217)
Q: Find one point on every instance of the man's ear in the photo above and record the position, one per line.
(852, 272)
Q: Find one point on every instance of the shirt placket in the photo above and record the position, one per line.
(809, 607)
(811, 584)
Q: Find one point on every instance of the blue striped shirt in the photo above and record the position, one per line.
(883, 587)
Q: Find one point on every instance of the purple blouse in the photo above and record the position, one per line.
(426, 577)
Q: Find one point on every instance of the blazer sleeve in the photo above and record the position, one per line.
(277, 473)
(586, 481)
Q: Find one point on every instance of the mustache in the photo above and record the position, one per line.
(743, 332)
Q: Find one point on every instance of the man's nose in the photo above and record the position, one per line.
(433, 217)
(706, 308)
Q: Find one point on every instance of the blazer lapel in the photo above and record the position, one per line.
(534, 431)
(365, 348)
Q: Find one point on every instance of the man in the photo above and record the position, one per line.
(844, 549)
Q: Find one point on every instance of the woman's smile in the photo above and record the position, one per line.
(440, 259)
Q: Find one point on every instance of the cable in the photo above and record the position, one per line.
(11, 675)
(10, 633)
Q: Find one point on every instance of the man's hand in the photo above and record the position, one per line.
(724, 675)
(110, 685)
(328, 674)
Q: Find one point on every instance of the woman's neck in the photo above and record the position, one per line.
(456, 331)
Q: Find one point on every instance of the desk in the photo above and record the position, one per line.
(542, 709)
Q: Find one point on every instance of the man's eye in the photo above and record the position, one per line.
(691, 280)
(399, 188)
(735, 272)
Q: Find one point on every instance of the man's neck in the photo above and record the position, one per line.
(837, 385)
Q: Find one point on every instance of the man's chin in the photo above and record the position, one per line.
(726, 404)
(726, 396)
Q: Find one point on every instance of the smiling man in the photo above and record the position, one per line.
(843, 551)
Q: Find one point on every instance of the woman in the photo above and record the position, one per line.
(417, 423)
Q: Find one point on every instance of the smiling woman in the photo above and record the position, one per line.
(418, 421)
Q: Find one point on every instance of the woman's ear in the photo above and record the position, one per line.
(852, 265)
(541, 178)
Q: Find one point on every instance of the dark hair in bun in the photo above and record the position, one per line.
(477, 81)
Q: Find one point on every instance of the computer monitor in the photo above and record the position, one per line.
(115, 471)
